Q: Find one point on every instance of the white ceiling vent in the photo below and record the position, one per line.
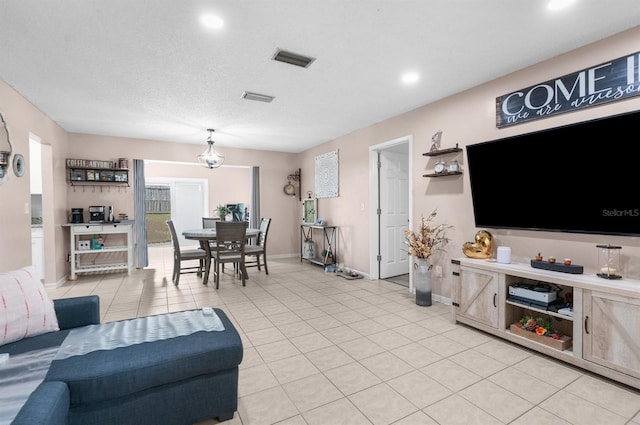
(292, 58)
(257, 97)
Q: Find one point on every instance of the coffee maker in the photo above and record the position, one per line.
(96, 214)
(77, 215)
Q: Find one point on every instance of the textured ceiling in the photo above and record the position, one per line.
(148, 69)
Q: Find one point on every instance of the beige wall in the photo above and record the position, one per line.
(466, 118)
(224, 183)
(25, 121)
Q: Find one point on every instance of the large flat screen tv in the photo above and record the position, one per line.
(579, 178)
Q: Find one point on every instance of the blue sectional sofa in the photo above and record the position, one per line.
(172, 381)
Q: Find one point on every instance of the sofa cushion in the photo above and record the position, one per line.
(110, 374)
(25, 307)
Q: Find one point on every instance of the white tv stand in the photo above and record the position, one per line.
(605, 327)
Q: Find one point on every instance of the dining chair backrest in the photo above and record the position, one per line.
(264, 230)
(257, 253)
(174, 236)
(188, 255)
(231, 236)
(209, 222)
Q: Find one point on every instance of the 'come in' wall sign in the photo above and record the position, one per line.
(611, 81)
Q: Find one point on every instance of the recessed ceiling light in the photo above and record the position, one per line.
(212, 21)
(559, 4)
(410, 77)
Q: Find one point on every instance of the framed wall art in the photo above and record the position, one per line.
(327, 175)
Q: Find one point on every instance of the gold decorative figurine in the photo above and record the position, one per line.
(481, 248)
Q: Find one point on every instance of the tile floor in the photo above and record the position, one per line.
(322, 350)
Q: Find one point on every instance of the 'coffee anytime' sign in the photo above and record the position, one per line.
(608, 82)
(89, 163)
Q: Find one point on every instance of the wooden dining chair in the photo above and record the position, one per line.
(230, 244)
(258, 251)
(181, 255)
(209, 222)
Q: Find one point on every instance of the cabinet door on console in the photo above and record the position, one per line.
(611, 331)
(478, 296)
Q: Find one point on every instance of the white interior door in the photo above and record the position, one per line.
(394, 213)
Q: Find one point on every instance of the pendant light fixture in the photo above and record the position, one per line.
(210, 158)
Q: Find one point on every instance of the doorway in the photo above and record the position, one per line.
(43, 210)
(188, 203)
(390, 212)
(37, 220)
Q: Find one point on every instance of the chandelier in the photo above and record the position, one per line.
(210, 158)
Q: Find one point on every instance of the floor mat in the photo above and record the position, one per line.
(349, 276)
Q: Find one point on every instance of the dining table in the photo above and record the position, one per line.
(205, 237)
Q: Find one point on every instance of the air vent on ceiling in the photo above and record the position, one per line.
(292, 58)
(256, 96)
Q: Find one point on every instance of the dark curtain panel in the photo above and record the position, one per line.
(139, 192)
(254, 212)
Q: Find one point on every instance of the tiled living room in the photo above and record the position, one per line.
(319, 349)
(386, 85)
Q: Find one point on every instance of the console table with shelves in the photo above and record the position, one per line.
(443, 152)
(328, 254)
(604, 327)
(114, 253)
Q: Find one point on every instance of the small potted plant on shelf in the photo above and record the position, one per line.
(223, 212)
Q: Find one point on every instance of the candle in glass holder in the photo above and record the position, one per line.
(609, 261)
